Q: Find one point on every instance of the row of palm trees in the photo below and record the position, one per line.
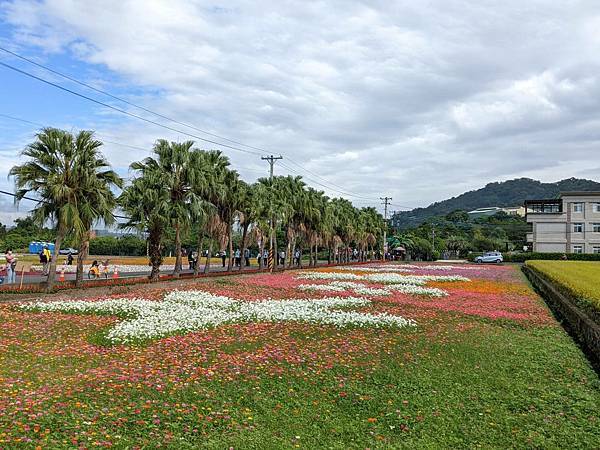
(189, 191)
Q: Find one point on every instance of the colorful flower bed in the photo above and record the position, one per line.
(394, 359)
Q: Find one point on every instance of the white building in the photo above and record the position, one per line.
(567, 224)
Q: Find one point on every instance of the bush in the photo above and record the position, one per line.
(121, 246)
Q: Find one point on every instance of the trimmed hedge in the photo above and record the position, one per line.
(522, 257)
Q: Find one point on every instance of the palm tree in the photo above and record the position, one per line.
(213, 168)
(96, 201)
(147, 203)
(52, 174)
(179, 167)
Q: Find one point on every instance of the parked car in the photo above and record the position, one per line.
(66, 251)
(490, 257)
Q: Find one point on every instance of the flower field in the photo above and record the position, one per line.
(582, 278)
(373, 356)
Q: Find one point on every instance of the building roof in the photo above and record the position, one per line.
(580, 194)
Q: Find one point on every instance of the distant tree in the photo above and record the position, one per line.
(457, 216)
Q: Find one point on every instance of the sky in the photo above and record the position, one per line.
(415, 100)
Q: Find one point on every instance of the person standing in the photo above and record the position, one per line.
(69, 259)
(223, 257)
(282, 258)
(194, 259)
(190, 257)
(11, 266)
(297, 257)
(238, 257)
(247, 257)
(46, 258)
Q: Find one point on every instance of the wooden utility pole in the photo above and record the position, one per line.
(386, 201)
(272, 248)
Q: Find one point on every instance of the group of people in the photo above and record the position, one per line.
(239, 256)
(95, 269)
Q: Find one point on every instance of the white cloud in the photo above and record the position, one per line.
(418, 101)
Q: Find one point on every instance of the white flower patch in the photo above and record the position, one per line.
(329, 276)
(419, 280)
(186, 311)
(417, 290)
(321, 287)
(347, 284)
(363, 289)
(374, 292)
(377, 269)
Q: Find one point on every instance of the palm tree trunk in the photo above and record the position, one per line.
(177, 270)
(275, 254)
(316, 255)
(154, 251)
(208, 257)
(84, 248)
(230, 245)
(199, 250)
(60, 235)
(289, 253)
(261, 262)
(244, 245)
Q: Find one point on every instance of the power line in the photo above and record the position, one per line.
(37, 124)
(108, 94)
(122, 111)
(43, 201)
(81, 83)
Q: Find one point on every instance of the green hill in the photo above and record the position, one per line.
(506, 193)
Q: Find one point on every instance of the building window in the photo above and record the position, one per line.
(578, 249)
(578, 207)
(596, 227)
(578, 227)
(596, 207)
(596, 249)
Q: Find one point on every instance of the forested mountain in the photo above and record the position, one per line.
(506, 193)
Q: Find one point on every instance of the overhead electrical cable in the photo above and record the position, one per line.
(157, 114)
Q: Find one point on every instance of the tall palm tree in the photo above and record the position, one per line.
(147, 203)
(96, 201)
(52, 174)
(181, 174)
(210, 188)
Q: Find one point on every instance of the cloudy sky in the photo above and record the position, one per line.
(416, 100)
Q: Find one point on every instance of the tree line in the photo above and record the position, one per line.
(457, 234)
(182, 189)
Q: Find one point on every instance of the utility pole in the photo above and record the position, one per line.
(386, 201)
(272, 256)
(432, 240)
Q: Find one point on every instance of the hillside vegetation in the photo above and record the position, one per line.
(507, 193)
